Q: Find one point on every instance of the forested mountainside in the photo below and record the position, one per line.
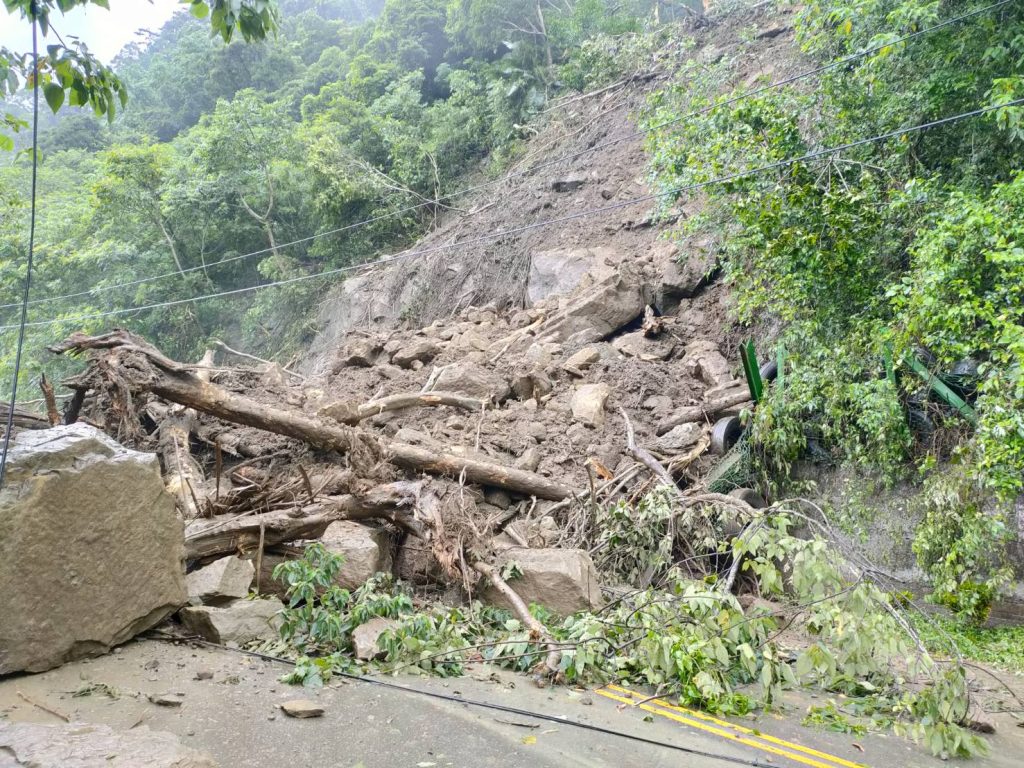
(356, 111)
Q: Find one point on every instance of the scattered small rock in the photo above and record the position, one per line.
(302, 708)
(166, 699)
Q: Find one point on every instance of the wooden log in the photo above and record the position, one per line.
(475, 471)
(418, 399)
(149, 370)
(706, 411)
(22, 419)
(394, 502)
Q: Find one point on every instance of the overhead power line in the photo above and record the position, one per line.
(495, 236)
(27, 288)
(532, 169)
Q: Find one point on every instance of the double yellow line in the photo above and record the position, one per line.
(729, 731)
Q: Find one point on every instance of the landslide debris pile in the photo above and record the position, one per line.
(435, 453)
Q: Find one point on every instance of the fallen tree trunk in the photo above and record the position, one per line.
(22, 419)
(418, 399)
(145, 368)
(480, 472)
(395, 502)
(706, 411)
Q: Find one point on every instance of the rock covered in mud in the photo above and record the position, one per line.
(239, 622)
(588, 404)
(562, 580)
(417, 350)
(562, 270)
(222, 580)
(679, 438)
(91, 551)
(472, 379)
(366, 550)
(366, 637)
(77, 745)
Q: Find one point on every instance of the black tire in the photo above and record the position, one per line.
(769, 371)
(749, 495)
(725, 433)
(920, 422)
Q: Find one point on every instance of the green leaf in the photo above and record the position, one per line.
(54, 96)
(200, 10)
(6, 142)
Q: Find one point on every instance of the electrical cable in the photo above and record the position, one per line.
(495, 236)
(482, 704)
(31, 246)
(532, 169)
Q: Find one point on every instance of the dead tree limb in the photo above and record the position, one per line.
(475, 471)
(703, 412)
(538, 631)
(416, 399)
(397, 503)
(52, 414)
(644, 457)
(246, 356)
(146, 369)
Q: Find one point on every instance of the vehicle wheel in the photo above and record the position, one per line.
(749, 495)
(725, 433)
(769, 371)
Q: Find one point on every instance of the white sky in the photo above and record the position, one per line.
(105, 32)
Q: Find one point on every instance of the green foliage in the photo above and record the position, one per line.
(829, 718)
(908, 246)
(688, 638)
(1001, 647)
(320, 615)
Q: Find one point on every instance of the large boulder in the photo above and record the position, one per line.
(77, 745)
(221, 581)
(599, 311)
(91, 550)
(561, 271)
(471, 379)
(562, 580)
(239, 622)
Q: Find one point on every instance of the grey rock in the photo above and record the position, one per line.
(498, 498)
(220, 581)
(561, 271)
(474, 380)
(239, 622)
(562, 580)
(658, 403)
(302, 708)
(529, 460)
(599, 311)
(366, 549)
(341, 411)
(568, 183)
(679, 438)
(588, 404)
(77, 745)
(707, 363)
(582, 360)
(166, 699)
(647, 350)
(360, 353)
(365, 637)
(422, 350)
(91, 550)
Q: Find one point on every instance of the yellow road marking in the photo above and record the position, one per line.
(742, 729)
(755, 740)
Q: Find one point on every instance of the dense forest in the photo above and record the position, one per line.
(226, 154)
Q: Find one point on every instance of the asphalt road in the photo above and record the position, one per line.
(234, 716)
